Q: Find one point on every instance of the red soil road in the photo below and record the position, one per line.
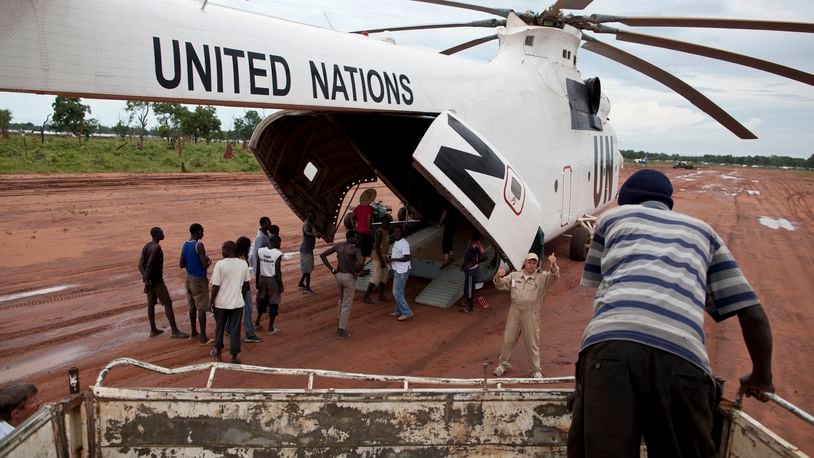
(85, 233)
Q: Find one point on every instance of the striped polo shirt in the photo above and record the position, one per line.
(656, 271)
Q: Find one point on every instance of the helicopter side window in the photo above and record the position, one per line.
(310, 171)
(530, 40)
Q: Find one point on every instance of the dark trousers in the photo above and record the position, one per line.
(228, 320)
(469, 283)
(626, 391)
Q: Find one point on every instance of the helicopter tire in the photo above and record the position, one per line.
(580, 243)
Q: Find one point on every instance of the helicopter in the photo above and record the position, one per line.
(521, 146)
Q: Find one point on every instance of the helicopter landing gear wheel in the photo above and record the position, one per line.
(580, 243)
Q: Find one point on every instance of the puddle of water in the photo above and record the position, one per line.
(776, 223)
(24, 370)
(36, 292)
(729, 177)
(752, 192)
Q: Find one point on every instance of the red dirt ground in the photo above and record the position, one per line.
(84, 233)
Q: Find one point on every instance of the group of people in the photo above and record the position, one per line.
(643, 370)
(230, 298)
(350, 261)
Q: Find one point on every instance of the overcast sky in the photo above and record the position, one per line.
(646, 115)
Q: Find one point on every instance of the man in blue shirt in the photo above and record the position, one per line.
(195, 261)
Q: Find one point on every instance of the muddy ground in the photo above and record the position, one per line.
(71, 294)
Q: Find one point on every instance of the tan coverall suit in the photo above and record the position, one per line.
(528, 292)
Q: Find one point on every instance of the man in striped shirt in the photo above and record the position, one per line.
(643, 369)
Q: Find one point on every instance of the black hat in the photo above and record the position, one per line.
(646, 185)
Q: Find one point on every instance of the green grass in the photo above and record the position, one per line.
(26, 154)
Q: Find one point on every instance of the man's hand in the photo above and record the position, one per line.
(501, 272)
(553, 260)
(212, 307)
(752, 387)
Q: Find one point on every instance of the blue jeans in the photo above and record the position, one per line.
(247, 314)
(399, 282)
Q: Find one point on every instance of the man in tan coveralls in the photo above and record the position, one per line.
(528, 288)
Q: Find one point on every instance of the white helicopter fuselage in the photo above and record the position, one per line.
(522, 103)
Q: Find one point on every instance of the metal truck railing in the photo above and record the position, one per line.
(404, 416)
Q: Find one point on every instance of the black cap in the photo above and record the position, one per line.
(646, 185)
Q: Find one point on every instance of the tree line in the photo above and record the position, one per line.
(176, 123)
(724, 159)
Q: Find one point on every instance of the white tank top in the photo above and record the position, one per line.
(269, 257)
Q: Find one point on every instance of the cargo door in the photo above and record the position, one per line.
(481, 182)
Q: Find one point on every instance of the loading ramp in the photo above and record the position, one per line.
(447, 283)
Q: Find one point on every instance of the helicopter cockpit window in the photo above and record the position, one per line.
(310, 171)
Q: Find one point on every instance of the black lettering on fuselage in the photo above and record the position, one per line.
(218, 70)
(270, 75)
(199, 65)
(173, 82)
(255, 72)
(235, 54)
(339, 84)
(356, 84)
(276, 89)
(319, 78)
(404, 81)
(603, 169)
(377, 97)
(204, 70)
(392, 88)
(352, 72)
(456, 165)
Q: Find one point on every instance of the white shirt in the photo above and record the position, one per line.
(5, 429)
(400, 248)
(268, 257)
(229, 275)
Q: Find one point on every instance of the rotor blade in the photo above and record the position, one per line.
(685, 90)
(502, 12)
(570, 4)
(718, 23)
(469, 44)
(706, 51)
(486, 23)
